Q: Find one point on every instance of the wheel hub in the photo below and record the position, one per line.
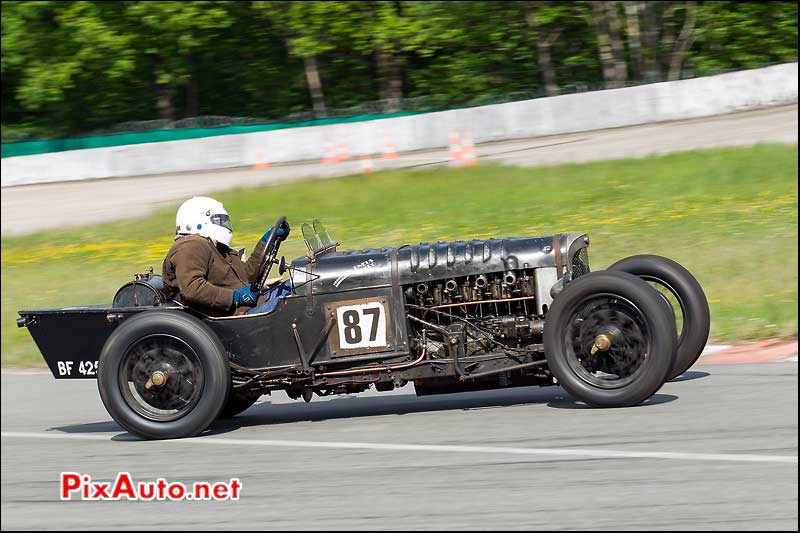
(157, 379)
(161, 378)
(601, 343)
(608, 341)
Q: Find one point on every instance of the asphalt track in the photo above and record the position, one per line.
(716, 449)
(90, 202)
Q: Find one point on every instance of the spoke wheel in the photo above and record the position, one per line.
(155, 358)
(163, 374)
(686, 298)
(609, 339)
(624, 324)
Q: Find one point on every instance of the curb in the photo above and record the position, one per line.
(767, 351)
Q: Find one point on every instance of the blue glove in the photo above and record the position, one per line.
(244, 296)
(281, 233)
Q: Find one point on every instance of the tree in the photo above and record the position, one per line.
(542, 20)
(93, 57)
(171, 35)
(466, 51)
(390, 32)
(78, 67)
(604, 44)
(735, 35)
(617, 46)
(683, 42)
(308, 31)
(632, 11)
(651, 17)
(248, 70)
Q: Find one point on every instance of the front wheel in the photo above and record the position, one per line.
(609, 339)
(684, 295)
(163, 375)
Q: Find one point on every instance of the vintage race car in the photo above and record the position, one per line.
(447, 316)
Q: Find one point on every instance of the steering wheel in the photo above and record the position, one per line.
(268, 256)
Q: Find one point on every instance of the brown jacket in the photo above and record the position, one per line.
(196, 273)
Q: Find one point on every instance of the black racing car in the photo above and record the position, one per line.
(448, 316)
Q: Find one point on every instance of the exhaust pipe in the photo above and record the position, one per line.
(451, 286)
(422, 288)
(481, 282)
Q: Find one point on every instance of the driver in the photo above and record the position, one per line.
(201, 270)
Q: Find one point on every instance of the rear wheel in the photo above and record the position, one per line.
(163, 375)
(684, 294)
(609, 339)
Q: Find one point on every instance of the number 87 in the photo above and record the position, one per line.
(352, 330)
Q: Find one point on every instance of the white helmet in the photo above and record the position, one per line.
(204, 216)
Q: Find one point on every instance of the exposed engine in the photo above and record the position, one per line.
(496, 310)
(474, 310)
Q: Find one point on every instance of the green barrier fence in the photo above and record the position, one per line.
(14, 149)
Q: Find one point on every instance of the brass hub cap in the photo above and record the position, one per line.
(157, 379)
(601, 343)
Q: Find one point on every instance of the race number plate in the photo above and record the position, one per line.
(360, 326)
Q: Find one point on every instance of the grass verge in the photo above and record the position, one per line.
(728, 215)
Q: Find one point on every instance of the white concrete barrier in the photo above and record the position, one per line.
(657, 102)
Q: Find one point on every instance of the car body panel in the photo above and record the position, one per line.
(299, 332)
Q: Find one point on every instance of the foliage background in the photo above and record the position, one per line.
(77, 67)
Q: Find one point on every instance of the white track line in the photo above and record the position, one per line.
(559, 452)
(25, 371)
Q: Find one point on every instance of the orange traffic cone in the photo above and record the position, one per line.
(455, 153)
(366, 164)
(389, 151)
(329, 157)
(261, 162)
(469, 150)
(343, 153)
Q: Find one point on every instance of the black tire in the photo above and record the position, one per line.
(696, 317)
(238, 402)
(634, 314)
(189, 354)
